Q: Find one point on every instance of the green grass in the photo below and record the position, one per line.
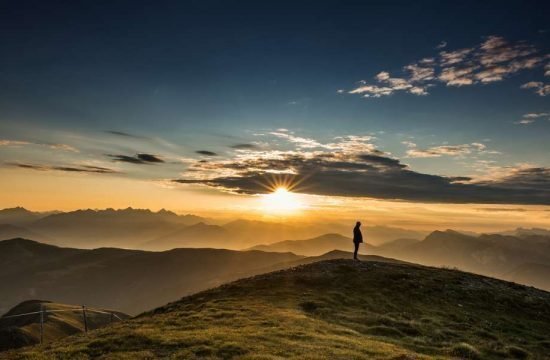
(335, 309)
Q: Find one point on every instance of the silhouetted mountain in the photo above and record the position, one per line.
(129, 280)
(66, 320)
(377, 235)
(395, 245)
(312, 247)
(236, 235)
(522, 232)
(489, 254)
(199, 235)
(537, 275)
(18, 216)
(16, 254)
(250, 233)
(337, 309)
(122, 228)
(8, 231)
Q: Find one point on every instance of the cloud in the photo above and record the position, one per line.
(206, 152)
(301, 142)
(245, 146)
(13, 143)
(441, 45)
(63, 147)
(538, 87)
(502, 209)
(352, 166)
(493, 60)
(326, 174)
(454, 57)
(137, 159)
(444, 150)
(125, 134)
(69, 168)
(530, 118)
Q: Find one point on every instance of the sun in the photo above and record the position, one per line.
(281, 202)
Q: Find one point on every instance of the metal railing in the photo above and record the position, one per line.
(81, 308)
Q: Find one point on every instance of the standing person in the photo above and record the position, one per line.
(357, 239)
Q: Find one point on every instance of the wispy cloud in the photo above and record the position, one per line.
(13, 143)
(65, 168)
(493, 60)
(125, 134)
(445, 150)
(245, 146)
(530, 118)
(441, 45)
(63, 147)
(206, 153)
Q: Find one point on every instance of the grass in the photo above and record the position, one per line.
(335, 309)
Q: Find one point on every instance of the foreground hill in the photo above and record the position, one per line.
(60, 320)
(129, 280)
(337, 309)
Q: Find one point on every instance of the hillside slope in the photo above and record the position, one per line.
(60, 320)
(336, 309)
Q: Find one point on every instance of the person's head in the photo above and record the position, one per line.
(357, 224)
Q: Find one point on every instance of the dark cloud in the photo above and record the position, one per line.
(139, 159)
(125, 134)
(382, 160)
(206, 152)
(80, 168)
(245, 147)
(150, 158)
(377, 177)
(502, 209)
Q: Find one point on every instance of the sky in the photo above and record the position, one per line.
(406, 113)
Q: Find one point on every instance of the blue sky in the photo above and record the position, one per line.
(206, 75)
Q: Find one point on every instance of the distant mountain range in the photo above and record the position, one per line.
(59, 321)
(164, 230)
(524, 258)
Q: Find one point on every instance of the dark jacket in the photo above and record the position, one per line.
(357, 236)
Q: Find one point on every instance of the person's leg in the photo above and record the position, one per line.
(356, 250)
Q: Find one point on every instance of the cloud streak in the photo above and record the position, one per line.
(138, 159)
(530, 118)
(445, 150)
(206, 153)
(17, 143)
(65, 168)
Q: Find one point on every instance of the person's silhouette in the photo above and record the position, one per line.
(357, 239)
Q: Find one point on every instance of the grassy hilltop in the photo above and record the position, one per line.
(332, 309)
